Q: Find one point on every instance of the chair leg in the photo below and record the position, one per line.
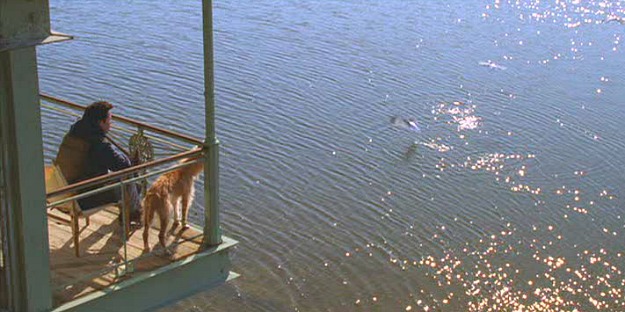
(87, 221)
(128, 223)
(75, 234)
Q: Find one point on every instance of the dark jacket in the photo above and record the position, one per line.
(85, 153)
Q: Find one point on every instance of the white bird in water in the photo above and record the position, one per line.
(405, 123)
(615, 18)
(491, 64)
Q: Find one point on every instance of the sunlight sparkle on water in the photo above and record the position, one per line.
(458, 113)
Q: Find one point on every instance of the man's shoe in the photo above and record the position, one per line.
(135, 218)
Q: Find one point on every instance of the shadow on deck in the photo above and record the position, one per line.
(98, 268)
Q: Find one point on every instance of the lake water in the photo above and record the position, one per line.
(510, 197)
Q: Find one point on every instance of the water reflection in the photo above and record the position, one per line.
(458, 113)
(492, 279)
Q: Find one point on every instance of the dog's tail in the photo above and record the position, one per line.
(148, 211)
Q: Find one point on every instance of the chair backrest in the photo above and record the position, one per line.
(55, 181)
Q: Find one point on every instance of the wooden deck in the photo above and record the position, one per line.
(101, 248)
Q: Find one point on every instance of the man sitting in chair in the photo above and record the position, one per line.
(85, 153)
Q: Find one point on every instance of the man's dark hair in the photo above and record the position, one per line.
(97, 111)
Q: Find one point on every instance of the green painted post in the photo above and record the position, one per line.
(28, 228)
(24, 25)
(23, 22)
(212, 230)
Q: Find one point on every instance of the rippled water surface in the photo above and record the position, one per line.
(509, 198)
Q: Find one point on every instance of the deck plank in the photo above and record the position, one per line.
(101, 247)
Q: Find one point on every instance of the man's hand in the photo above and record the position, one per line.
(135, 159)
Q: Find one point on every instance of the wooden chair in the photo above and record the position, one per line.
(55, 180)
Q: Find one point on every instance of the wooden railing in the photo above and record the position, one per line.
(144, 125)
(194, 152)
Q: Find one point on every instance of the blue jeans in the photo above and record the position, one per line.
(132, 199)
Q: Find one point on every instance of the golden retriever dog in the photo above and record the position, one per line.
(163, 196)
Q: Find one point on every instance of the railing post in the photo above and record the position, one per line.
(124, 215)
(212, 230)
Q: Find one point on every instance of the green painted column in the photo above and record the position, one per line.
(23, 22)
(28, 228)
(212, 229)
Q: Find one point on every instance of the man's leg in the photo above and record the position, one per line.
(99, 199)
(133, 202)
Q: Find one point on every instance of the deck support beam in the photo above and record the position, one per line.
(212, 230)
